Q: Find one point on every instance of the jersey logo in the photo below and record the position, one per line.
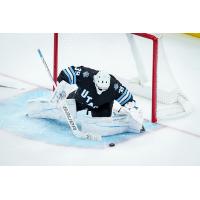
(86, 74)
(85, 95)
(116, 86)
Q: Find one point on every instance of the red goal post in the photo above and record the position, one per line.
(55, 58)
(154, 73)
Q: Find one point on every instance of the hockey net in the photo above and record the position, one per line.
(138, 59)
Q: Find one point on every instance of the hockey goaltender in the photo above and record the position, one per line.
(96, 93)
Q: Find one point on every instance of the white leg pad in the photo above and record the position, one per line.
(42, 108)
(105, 126)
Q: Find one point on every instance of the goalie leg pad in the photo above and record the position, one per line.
(105, 126)
(118, 123)
(41, 108)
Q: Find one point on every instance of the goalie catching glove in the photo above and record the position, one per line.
(135, 115)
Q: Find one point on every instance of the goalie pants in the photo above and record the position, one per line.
(104, 110)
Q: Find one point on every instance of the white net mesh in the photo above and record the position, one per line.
(171, 101)
(109, 52)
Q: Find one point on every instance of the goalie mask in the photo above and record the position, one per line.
(102, 82)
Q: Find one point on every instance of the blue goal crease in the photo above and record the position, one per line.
(13, 119)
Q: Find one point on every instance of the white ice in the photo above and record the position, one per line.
(177, 143)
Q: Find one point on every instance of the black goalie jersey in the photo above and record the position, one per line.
(86, 95)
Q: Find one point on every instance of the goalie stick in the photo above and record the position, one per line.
(64, 108)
